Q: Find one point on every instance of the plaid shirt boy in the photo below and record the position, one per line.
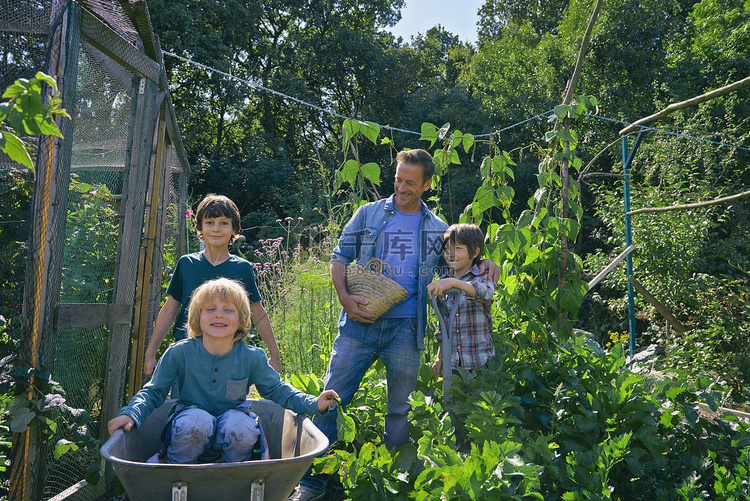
(471, 328)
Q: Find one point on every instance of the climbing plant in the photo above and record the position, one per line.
(25, 113)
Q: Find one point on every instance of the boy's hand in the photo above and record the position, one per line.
(327, 399)
(149, 364)
(437, 367)
(439, 286)
(123, 421)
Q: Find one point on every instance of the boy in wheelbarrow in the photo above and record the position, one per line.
(212, 420)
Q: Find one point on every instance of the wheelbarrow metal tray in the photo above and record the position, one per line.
(293, 443)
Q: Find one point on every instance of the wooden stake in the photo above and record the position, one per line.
(663, 310)
(685, 104)
(696, 205)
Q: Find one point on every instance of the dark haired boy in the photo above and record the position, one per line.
(218, 225)
(471, 329)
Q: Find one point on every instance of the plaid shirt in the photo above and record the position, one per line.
(471, 329)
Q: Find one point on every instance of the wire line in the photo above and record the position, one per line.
(325, 110)
(331, 112)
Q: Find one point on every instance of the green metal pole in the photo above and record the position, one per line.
(627, 159)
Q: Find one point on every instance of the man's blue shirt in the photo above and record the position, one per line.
(362, 239)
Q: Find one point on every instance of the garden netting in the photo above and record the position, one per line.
(100, 190)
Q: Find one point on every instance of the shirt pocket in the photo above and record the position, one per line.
(236, 389)
(367, 247)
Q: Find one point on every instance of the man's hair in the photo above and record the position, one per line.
(229, 291)
(466, 234)
(213, 206)
(418, 157)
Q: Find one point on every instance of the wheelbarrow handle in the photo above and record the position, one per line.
(445, 329)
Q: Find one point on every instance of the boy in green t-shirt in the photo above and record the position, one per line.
(218, 225)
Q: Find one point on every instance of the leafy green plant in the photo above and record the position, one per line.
(26, 113)
(40, 400)
(91, 233)
(569, 423)
(362, 179)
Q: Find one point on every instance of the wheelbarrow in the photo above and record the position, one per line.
(293, 443)
(445, 329)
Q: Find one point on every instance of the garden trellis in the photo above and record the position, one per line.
(107, 208)
(628, 154)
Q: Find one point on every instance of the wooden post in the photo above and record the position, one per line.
(663, 310)
(146, 261)
(44, 264)
(131, 234)
(564, 168)
(160, 239)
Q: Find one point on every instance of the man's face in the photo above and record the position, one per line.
(408, 188)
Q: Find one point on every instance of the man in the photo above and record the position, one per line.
(402, 232)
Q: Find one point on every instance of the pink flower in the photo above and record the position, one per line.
(188, 214)
(287, 218)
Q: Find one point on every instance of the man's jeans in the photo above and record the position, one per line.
(233, 435)
(394, 340)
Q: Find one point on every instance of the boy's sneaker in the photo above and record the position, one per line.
(304, 494)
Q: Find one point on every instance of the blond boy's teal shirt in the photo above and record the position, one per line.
(215, 383)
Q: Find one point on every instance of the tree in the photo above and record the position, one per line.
(544, 16)
(330, 54)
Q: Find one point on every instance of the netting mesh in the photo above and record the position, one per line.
(24, 50)
(24, 39)
(103, 174)
(100, 133)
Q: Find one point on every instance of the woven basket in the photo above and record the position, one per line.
(382, 292)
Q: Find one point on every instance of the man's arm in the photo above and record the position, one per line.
(492, 270)
(164, 321)
(350, 302)
(263, 326)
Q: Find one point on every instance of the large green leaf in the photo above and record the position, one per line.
(371, 172)
(350, 171)
(371, 131)
(15, 149)
(483, 200)
(22, 417)
(429, 133)
(345, 428)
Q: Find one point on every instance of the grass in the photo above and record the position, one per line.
(305, 319)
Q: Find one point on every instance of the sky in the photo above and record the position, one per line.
(458, 17)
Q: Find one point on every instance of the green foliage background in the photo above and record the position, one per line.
(555, 417)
